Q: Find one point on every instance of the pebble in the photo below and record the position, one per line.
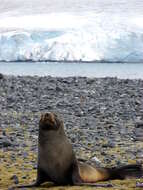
(99, 113)
(139, 124)
(15, 179)
(11, 188)
(1, 76)
(5, 142)
(95, 159)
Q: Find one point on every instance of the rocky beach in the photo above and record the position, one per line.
(103, 119)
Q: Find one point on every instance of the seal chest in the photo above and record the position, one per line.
(55, 158)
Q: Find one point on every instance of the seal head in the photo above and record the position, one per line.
(49, 121)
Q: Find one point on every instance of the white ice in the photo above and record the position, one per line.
(71, 31)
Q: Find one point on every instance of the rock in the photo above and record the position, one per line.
(4, 133)
(24, 177)
(138, 132)
(139, 124)
(5, 142)
(11, 188)
(109, 144)
(139, 184)
(25, 155)
(99, 113)
(35, 167)
(59, 88)
(15, 179)
(138, 139)
(95, 159)
(1, 76)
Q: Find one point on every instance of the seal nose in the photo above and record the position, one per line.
(52, 117)
(47, 114)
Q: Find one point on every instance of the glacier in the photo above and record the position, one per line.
(88, 37)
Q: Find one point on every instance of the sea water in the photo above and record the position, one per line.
(81, 31)
(56, 69)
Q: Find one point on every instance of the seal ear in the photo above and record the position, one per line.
(41, 118)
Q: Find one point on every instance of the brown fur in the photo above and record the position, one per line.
(57, 162)
(94, 174)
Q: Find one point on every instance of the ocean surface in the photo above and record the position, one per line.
(33, 32)
(59, 69)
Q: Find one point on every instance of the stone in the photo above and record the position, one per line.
(1, 76)
(15, 179)
(139, 124)
(5, 142)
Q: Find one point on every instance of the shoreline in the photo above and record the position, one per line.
(103, 116)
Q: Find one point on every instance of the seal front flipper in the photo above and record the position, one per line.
(41, 178)
(35, 184)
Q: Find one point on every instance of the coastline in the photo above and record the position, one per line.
(103, 117)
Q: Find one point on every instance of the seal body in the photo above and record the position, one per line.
(56, 158)
(57, 162)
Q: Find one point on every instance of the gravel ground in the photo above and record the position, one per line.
(103, 116)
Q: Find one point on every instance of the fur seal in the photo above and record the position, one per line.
(57, 162)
